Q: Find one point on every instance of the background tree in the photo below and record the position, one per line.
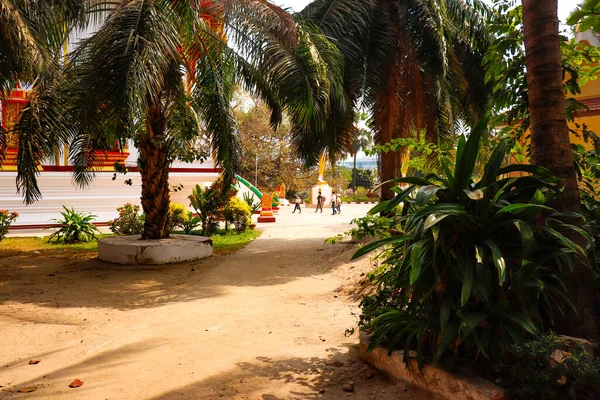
(399, 62)
(278, 161)
(550, 142)
(358, 143)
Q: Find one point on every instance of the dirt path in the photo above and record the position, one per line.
(262, 323)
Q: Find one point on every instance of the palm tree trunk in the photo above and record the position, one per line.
(354, 174)
(551, 146)
(154, 165)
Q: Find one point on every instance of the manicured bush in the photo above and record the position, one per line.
(129, 222)
(74, 227)
(6, 218)
(238, 213)
(474, 267)
(178, 215)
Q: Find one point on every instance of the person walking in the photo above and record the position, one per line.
(333, 203)
(297, 206)
(338, 203)
(320, 202)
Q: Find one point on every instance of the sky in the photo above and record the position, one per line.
(564, 6)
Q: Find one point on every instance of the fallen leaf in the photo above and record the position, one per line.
(335, 364)
(28, 389)
(76, 383)
(33, 362)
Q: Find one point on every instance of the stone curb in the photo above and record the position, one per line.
(432, 379)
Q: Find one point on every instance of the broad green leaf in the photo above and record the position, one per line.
(538, 198)
(527, 237)
(522, 321)
(378, 243)
(519, 207)
(425, 193)
(445, 309)
(415, 261)
(492, 166)
(499, 261)
(528, 168)
(434, 219)
(467, 283)
(476, 194)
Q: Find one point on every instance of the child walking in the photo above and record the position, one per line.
(297, 206)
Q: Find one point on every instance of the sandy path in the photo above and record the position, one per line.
(261, 323)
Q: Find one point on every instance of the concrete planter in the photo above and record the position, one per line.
(435, 380)
(131, 250)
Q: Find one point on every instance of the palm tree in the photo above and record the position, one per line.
(550, 142)
(159, 71)
(414, 64)
(31, 37)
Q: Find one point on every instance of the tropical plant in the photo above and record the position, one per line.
(238, 213)
(161, 73)
(74, 227)
(249, 199)
(190, 223)
(129, 222)
(414, 65)
(32, 36)
(206, 203)
(178, 215)
(474, 266)
(6, 218)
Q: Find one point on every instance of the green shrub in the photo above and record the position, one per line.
(249, 199)
(178, 215)
(238, 213)
(6, 218)
(129, 222)
(206, 202)
(74, 227)
(361, 192)
(548, 367)
(475, 266)
(190, 223)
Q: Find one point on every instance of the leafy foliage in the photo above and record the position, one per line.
(129, 222)
(74, 227)
(507, 75)
(249, 199)
(206, 202)
(190, 223)
(475, 266)
(6, 218)
(178, 215)
(549, 367)
(238, 213)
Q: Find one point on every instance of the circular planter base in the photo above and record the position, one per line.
(131, 250)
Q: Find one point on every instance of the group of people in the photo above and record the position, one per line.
(336, 203)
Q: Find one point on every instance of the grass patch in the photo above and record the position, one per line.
(222, 244)
(232, 241)
(14, 246)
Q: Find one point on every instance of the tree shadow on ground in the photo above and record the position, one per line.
(97, 363)
(81, 280)
(298, 378)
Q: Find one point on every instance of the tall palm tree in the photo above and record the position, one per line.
(550, 142)
(31, 37)
(414, 64)
(157, 71)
